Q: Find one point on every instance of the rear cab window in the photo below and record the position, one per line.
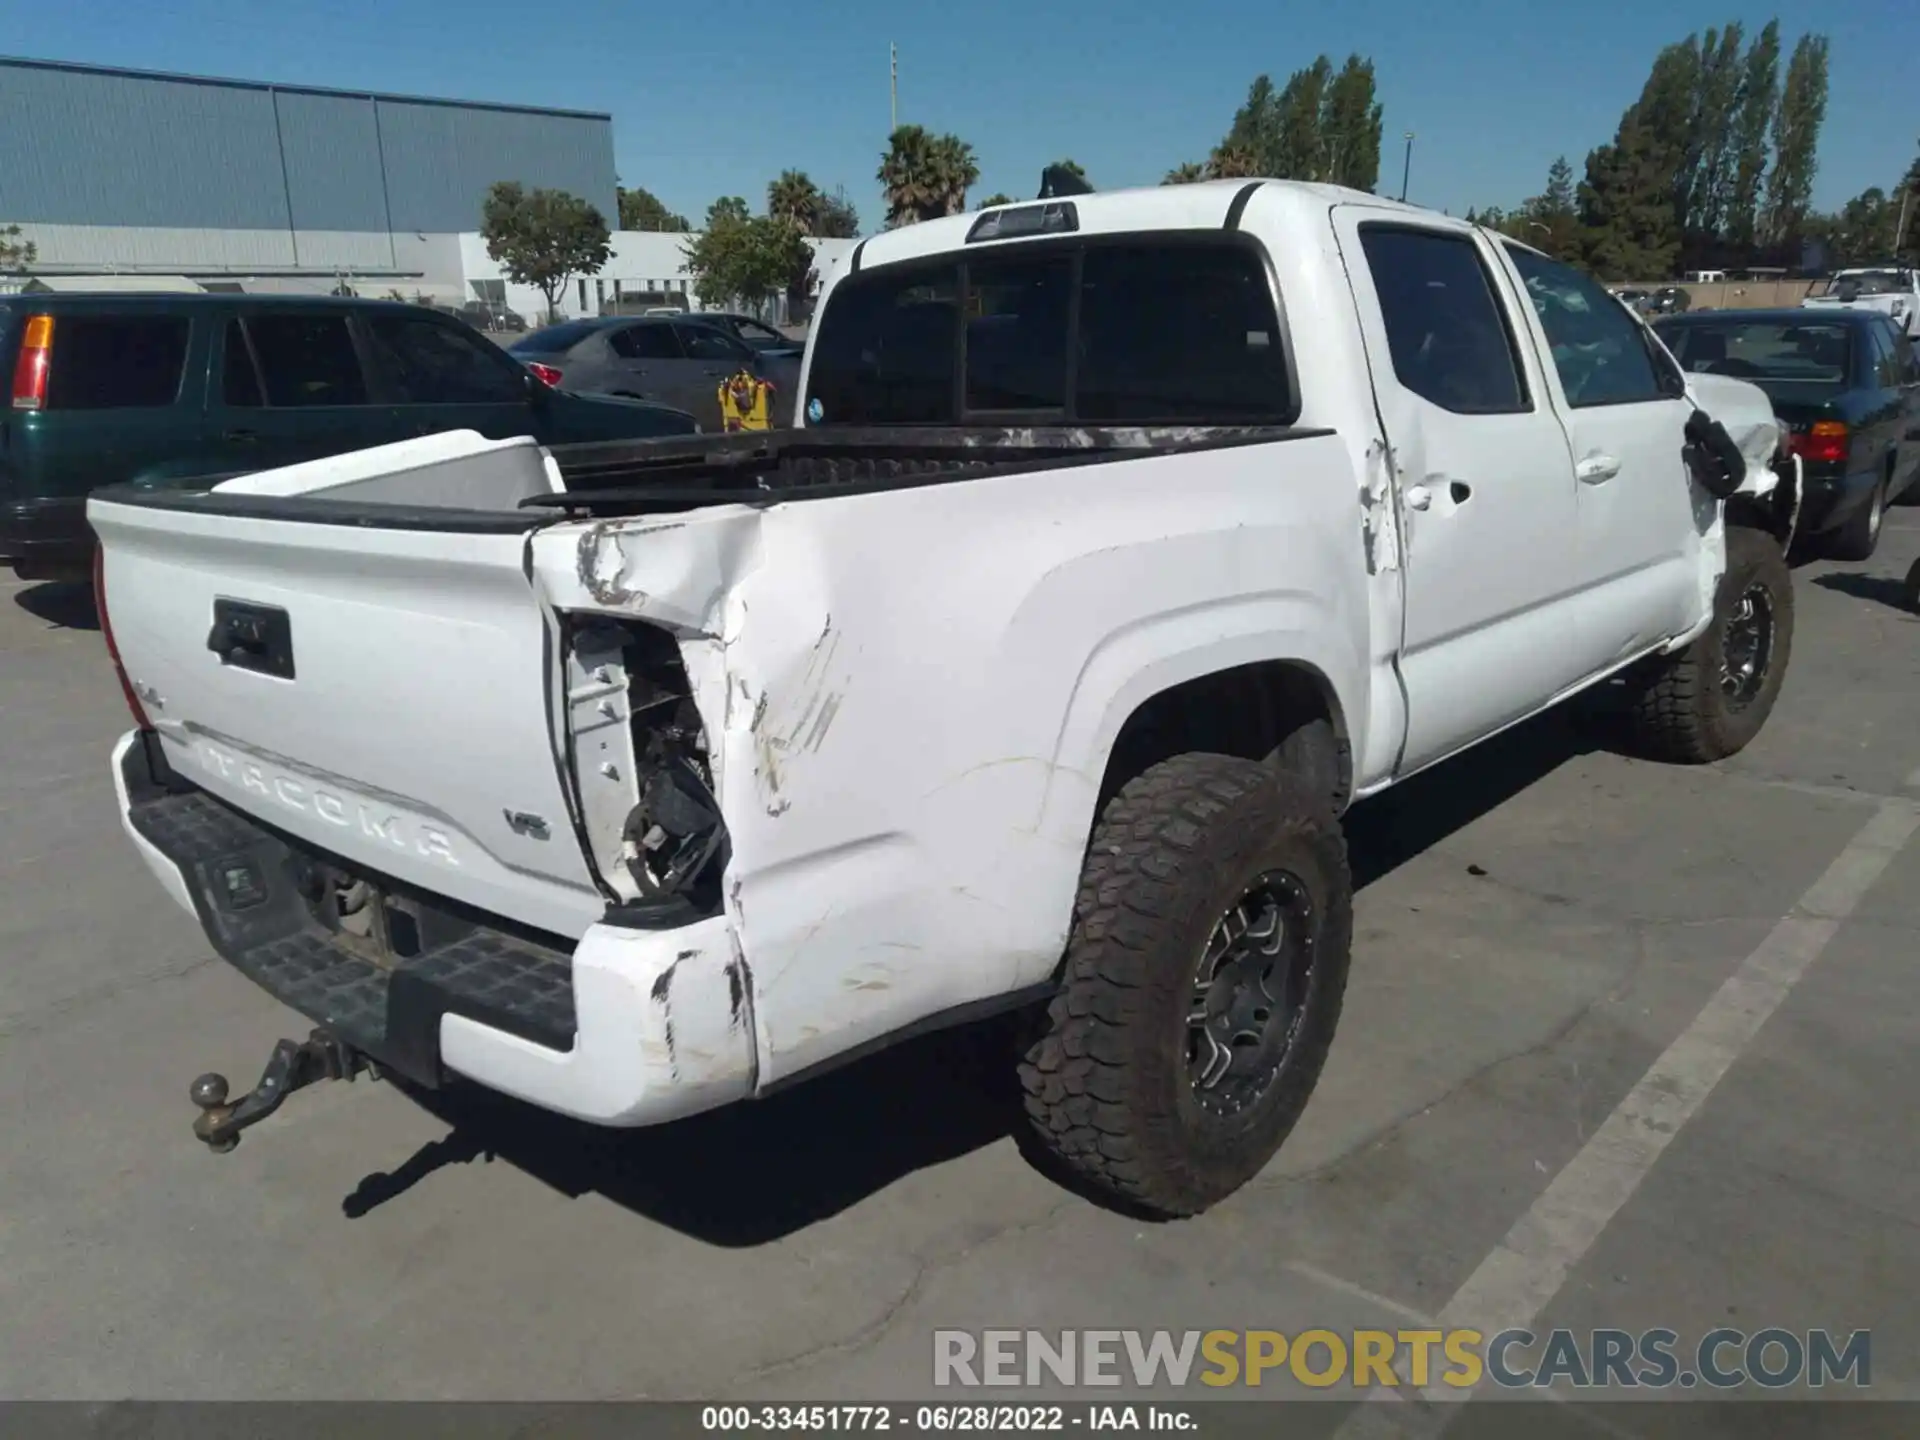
(116, 362)
(1178, 329)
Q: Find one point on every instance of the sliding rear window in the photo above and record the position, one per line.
(1134, 332)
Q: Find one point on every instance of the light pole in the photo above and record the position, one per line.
(1406, 170)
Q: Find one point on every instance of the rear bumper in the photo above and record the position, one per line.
(1831, 496)
(634, 1027)
(46, 539)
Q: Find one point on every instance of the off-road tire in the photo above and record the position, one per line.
(1860, 536)
(1107, 1085)
(1683, 714)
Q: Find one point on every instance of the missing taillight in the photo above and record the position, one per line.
(34, 361)
(641, 769)
(106, 634)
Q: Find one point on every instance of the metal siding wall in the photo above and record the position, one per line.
(85, 149)
(332, 149)
(441, 159)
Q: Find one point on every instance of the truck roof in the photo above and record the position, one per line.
(1205, 205)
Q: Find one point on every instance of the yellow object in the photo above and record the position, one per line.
(746, 403)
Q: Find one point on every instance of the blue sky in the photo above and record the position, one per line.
(716, 100)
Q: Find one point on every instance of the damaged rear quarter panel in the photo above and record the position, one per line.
(910, 695)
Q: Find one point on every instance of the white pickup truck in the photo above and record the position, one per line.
(1894, 290)
(1127, 541)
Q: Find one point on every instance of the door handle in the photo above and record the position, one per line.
(1419, 497)
(1596, 469)
(240, 437)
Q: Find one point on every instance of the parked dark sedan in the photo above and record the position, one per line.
(679, 361)
(1846, 385)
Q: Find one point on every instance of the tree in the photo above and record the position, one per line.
(1299, 152)
(1189, 173)
(1230, 161)
(836, 218)
(1711, 140)
(999, 197)
(1350, 127)
(925, 176)
(1072, 167)
(640, 210)
(1753, 109)
(543, 239)
(746, 258)
(1628, 203)
(794, 197)
(1796, 141)
(15, 254)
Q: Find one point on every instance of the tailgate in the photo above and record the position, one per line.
(379, 682)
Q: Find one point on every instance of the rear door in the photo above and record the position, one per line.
(1486, 483)
(713, 356)
(1626, 414)
(293, 387)
(649, 364)
(441, 375)
(126, 400)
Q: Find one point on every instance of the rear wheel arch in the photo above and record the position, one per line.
(1284, 713)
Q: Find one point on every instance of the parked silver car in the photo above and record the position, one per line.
(675, 361)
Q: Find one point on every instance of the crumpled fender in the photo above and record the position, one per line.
(1739, 433)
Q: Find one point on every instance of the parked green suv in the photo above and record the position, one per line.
(169, 389)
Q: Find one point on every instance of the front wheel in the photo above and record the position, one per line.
(1708, 701)
(1204, 977)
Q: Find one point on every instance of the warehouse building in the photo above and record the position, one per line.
(232, 184)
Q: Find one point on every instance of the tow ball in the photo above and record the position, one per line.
(294, 1065)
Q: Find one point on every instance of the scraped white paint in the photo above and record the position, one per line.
(1514, 1284)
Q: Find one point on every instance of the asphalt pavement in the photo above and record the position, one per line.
(1626, 1045)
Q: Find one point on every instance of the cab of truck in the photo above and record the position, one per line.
(161, 390)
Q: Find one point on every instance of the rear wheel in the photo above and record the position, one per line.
(1708, 701)
(1204, 977)
(1860, 536)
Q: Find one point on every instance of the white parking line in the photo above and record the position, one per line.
(1514, 1284)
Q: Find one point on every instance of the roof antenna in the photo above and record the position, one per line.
(1057, 181)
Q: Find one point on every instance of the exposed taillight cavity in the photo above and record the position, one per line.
(545, 374)
(106, 633)
(35, 359)
(1825, 441)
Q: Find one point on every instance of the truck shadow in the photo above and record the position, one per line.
(758, 1171)
(61, 605)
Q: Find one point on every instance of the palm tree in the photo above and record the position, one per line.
(906, 175)
(957, 172)
(1232, 162)
(1190, 173)
(926, 176)
(999, 197)
(795, 197)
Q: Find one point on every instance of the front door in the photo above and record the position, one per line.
(1639, 538)
(1485, 482)
(714, 357)
(440, 375)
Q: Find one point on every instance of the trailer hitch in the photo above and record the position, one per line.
(294, 1065)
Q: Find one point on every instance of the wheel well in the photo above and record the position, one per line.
(1251, 711)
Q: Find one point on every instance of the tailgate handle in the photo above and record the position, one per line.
(252, 637)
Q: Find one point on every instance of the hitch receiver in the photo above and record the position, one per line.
(294, 1065)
